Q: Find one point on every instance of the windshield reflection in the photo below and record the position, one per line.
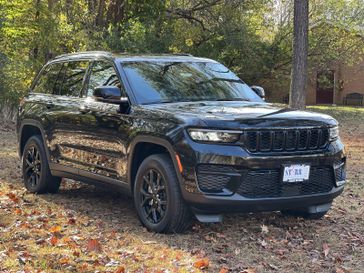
(167, 82)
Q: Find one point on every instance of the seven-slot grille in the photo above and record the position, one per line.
(288, 140)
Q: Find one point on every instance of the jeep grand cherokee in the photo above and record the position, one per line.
(184, 136)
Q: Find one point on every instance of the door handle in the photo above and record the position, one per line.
(84, 110)
(50, 105)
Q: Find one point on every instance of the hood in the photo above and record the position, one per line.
(241, 114)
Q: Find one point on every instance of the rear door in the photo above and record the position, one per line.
(65, 117)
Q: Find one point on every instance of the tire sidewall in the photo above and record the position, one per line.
(156, 162)
(36, 142)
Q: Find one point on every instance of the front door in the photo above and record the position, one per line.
(325, 87)
(104, 129)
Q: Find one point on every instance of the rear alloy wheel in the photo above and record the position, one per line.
(158, 198)
(36, 173)
(32, 167)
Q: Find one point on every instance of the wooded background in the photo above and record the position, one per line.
(252, 37)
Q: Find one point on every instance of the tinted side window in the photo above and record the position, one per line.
(47, 80)
(73, 76)
(102, 74)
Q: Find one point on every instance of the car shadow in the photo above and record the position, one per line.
(237, 231)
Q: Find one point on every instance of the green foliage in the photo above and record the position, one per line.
(252, 37)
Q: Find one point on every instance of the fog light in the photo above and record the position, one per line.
(340, 173)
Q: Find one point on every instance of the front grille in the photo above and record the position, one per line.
(287, 140)
(268, 183)
(264, 183)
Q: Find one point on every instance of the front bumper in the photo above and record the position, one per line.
(233, 198)
(237, 203)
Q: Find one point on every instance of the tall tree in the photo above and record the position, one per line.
(297, 98)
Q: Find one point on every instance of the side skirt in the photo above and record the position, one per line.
(89, 178)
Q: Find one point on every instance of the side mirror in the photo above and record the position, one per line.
(259, 91)
(112, 94)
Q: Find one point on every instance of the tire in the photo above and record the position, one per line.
(312, 213)
(157, 189)
(36, 173)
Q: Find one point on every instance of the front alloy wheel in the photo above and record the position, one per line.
(157, 196)
(153, 196)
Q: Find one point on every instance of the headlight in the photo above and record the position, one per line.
(208, 135)
(334, 133)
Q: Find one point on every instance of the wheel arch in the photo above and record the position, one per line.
(144, 146)
(29, 128)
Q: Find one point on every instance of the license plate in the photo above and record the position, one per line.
(296, 173)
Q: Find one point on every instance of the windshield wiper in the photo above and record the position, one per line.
(167, 66)
(234, 99)
(165, 101)
(222, 80)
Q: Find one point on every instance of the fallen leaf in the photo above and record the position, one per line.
(274, 267)
(12, 197)
(83, 266)
(53, 240)
(223, 270)
(67, 240)
(64, 260)
(264, 243)
(93, 245)
(18, 211)
(250, 270)
(178, 256)
(265, 229)
(326, 249)
(40, 241)
(120, 269)
(71, 221)
(55, 229)
(25, 225)
(201, 264)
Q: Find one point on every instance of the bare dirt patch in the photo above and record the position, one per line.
(86, 229)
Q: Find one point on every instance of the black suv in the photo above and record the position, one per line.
(183, 135)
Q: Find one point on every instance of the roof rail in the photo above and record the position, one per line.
(182, 54)
(82, 53)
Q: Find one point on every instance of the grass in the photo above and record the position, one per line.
(85, 229)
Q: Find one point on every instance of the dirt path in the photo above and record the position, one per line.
(85, 229)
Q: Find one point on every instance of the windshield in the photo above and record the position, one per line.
(163, 82)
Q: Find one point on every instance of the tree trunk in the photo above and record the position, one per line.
(100, 14)
(297, 98)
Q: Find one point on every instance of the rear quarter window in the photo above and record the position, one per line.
(46, 81)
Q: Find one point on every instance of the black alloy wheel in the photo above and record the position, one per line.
(36, 173)
(154, 196)
(33, 166)
(157, 196)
